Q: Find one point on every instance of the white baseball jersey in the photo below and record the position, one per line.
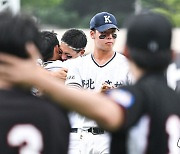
(56, 65)
(173, 75)
(87, 74)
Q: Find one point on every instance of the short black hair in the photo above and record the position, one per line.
(16, 31)
(48, 41)
(75, 38)
(149, 41)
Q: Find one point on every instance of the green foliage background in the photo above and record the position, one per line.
(170, 8)
(77, 13)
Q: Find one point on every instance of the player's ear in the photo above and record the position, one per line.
(92, 34)
(56, 49)
(82, 52)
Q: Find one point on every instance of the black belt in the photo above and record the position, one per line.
(93, 130)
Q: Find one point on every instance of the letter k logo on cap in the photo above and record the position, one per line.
(107, 19)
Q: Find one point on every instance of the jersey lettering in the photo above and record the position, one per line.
(108, 82)
(118, 84)
(70, 77)
(173, 130)
(89, 84)
(27, 137)
(178, 144)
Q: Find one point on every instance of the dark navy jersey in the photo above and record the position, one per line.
(30, 125)
(152, 118)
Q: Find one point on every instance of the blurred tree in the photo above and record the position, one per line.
(86, 9)
(170, 8)
(75, 13)
(40, 3)
(93, 6)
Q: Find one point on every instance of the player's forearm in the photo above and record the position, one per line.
(94, 106)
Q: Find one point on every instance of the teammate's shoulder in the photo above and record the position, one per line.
(83, 58)
(86, 56)
(51, 65)
(121, 57)
(73, 62)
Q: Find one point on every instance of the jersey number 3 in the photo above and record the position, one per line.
(173, 130)
(27, 137)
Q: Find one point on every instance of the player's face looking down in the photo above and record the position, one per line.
(68, 53)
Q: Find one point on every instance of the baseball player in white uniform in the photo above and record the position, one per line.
(73, 43)
(91, 72)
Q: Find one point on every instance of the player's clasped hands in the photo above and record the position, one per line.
(60, 74)
(105, 87)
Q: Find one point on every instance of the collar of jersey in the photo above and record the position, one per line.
(105, 63)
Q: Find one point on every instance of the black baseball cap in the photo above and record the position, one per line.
(149, 32)
(149, 41)
(103, 21)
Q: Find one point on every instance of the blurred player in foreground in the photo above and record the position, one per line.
(144, 118)
(28, 125)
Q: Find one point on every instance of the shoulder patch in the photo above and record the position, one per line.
(122, 97)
